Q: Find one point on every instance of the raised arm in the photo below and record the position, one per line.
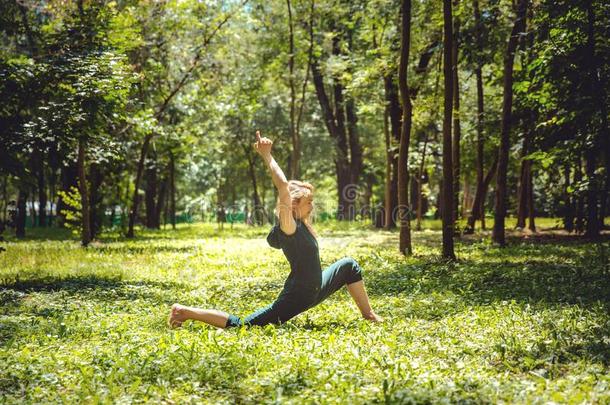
(263, 147)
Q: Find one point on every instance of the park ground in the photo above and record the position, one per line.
(529, 323)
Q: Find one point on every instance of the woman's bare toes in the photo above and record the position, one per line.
(176, 316)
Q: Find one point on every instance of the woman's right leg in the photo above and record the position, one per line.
(181, 313)
(276, 312)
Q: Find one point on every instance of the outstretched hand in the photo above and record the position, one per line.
(263, 145)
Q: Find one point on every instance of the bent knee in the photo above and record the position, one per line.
(354, 271)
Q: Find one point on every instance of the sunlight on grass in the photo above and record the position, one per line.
(529, 323)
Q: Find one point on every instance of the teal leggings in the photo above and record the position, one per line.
(289, 303)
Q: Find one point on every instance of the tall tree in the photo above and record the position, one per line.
(296, 142)
(498, 234)
(296, 112)
(457, 132)
(599, 129)
(394, 113)
(568, 207)
(21, 213)
(82, 184)
(478, 206)
(447, 193)
(348, 150)
(524, 180)
(405, 133)
(164, 104)
(150, 192)
(172, 189)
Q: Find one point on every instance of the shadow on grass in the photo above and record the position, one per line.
(39, 234)
(555, 237)
(107, 289)
(143, 249)
(552, 277)
(95, 288)
(534, 280)
(195, 231)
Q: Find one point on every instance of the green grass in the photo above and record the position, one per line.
(528, 323)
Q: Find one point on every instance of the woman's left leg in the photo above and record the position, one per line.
(347, 271)
(358, 293)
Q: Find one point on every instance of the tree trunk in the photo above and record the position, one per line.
(295, 155)
(21, 215)
(580, 200)
(412, 182)
(448, 195)
(465, 197)
(395, 112)
(387, 212)
(150, 193)
(523, 192)
(485, 187)
(522, 197)
(95, 199)
(346, 191)
(530, 198)
(605, 196)
(42, 193)
(477, 206)
(595, 88)
(161, 199)
(84, 197)
(355, 149)
(136, 200)
(4, 199)
(172, 182)
(455, 148)
(592, 226)
(405, 134)
(420, 179)
(498, 234)
(258, 213)
(354, 142)
(32, 206)
(568, 214)
(166, 212)
(336, 129)
(479, 199)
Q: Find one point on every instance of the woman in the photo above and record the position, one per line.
(307, 285)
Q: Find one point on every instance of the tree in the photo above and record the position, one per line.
(161, 107)
(498, 234)
(455, 148)
(296, 112)
(447, 194)
(405, 133)
(340, 116)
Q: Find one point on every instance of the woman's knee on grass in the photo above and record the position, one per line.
(352, 269)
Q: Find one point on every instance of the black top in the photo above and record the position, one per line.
(301, 250)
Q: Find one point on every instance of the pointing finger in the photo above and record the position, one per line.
(258, 136)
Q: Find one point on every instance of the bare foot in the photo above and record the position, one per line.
(176, 316)
(373, 317)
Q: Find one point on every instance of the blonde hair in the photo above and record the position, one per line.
(297, 189)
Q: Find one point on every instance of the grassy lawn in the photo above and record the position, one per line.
(528, 323)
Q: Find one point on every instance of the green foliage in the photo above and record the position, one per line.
(528, 323)
(73, 212)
